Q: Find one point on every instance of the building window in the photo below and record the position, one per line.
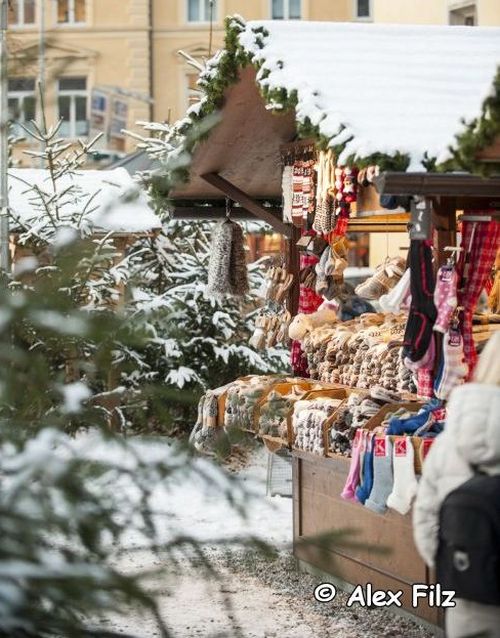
(286, 9)
(363, 9)
(464, 15)
(72, 101)
(21, 12)
(201, 10)
(70, 11)
(22, 103)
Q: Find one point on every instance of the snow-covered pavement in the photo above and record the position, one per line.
(251, 596)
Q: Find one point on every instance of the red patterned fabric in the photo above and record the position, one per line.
(480, 241)
(309, 302)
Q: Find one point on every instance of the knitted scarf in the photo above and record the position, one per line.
(227, 269)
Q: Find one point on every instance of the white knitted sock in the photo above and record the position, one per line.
(405, 481)
(392, 301)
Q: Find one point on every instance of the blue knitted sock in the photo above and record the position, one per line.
(363, 490)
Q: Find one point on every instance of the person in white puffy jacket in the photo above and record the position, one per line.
(470, 439)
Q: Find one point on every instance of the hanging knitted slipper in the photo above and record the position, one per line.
(385, 278)
(283, 288)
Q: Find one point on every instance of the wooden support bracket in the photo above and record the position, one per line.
(246, 202)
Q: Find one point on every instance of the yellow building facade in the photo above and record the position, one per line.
(111, 63)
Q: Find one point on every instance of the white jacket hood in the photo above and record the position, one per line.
(473, 421)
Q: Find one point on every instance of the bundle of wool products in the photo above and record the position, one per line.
(307, 421)
(227, 268)
(241, 400)
(274, 412)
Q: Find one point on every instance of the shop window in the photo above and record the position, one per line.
(464, 15)
(22, 103)
(363, 9)
(70, 11)
(72, 102)
(21, 13)
(201, 10)
(286, 9)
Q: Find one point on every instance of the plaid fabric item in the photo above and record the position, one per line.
(425, 384)
(480, 241)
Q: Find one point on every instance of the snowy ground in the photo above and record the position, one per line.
(252, 596)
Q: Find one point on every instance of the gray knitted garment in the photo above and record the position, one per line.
(227, 268)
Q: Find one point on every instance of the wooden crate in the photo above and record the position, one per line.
(318, 509)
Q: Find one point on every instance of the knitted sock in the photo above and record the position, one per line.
(363, 490)
(405, 481)
(353, 477)
(382, 475)
(422, 311)
(453, 369)
(392, 301)
(287, 190)
(445, 297)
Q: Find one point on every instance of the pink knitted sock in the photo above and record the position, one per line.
(353, 478)
(445, 297)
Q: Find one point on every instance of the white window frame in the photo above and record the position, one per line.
(73, 94)
(71, 15)
(21, 95)
(368, 18)
(201, 7)
(286, 10)
(21, 24)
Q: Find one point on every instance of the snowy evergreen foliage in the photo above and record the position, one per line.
(194, 342)
(71, 507)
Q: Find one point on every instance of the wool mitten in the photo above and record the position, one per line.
(353, 477)
(364, 489)
(405, 481)
(383, 480)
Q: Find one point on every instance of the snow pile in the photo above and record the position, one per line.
(198, 499)
(108, 200)
(379, 88)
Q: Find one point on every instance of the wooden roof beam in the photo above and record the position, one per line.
(245, 201)
(437, 185)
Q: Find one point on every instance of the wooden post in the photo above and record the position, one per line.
(293, 267)
(445, 226)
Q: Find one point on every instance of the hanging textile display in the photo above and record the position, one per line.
(227, 268)
(325, 202)
(479, 243)
(309, 302)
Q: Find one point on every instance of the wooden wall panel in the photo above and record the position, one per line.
(319, 510)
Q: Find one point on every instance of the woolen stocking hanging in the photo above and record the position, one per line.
(423, 312)
(480, 241)
(227, 270)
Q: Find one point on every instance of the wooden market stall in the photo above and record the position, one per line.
(399, 111)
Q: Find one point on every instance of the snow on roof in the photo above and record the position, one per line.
(391, 88)
(118, 204)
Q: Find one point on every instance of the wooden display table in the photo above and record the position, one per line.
(319, 509)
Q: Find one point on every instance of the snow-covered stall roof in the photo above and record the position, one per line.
(378, 88)
(116, 202)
